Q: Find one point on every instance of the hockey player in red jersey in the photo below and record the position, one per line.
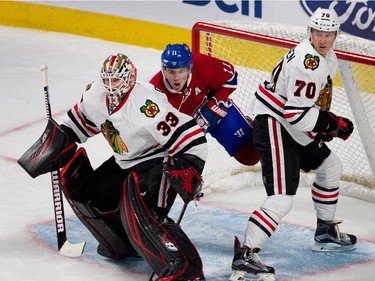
(291, 125)
(157, 153)
(200, 86)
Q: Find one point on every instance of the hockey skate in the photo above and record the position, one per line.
(328, 238)
(247, 261)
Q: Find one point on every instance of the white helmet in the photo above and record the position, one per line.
(120, 72)
(324, 20)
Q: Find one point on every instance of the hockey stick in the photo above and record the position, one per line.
(178, 222)
(65, 248)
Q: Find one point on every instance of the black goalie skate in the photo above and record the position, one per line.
(328, 238)
(247, 261)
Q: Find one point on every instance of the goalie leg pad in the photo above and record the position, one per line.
(107, 230)
(159, 240)
(74, 175)
(234, 133)
(106, 227)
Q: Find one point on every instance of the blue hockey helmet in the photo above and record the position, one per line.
(176, 56)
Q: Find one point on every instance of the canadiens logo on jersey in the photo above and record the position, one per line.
(112, 136)
(150, 109)
(311, 62)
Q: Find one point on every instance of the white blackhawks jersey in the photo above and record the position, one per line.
(293, 91)
(144, 126)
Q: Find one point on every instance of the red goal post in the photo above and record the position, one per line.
(255, 48)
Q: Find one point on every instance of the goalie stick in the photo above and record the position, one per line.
(64, 246)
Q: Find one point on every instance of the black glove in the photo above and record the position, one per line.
(335, 126)
(185, 176)
(324, 137)
(344, 129)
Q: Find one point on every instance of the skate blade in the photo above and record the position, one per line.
(332, 247)
(238, 275)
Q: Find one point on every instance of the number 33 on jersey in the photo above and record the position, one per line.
(144, 126)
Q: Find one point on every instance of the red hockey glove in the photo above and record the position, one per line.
(211, 114)
(335, 126)
(344, 129)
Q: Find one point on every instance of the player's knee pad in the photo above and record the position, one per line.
(328, 174)
(105, 227)
(234, 130)
(159, 240)
(277, 206)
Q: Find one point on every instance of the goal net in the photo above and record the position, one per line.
(255, 48)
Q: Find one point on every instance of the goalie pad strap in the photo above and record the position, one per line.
(159, 240)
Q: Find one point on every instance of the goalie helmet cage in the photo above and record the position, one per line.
(255, 48)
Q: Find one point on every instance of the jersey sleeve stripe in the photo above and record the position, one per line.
(232, 82)
(276, 111)
(274, 102)
(82, 121)
(179, 131)
(278, 101)
(195, 142)
(77, 124)
(295, 114)
(184, 139)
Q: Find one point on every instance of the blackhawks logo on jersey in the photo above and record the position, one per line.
(150, 109)
(325, 95)
(112, 135)
(311, 62)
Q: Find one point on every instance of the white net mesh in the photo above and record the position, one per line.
(254, 61)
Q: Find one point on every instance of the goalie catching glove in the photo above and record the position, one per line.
(334, 126)
(184, 175)
(51, 151)
(211, 114)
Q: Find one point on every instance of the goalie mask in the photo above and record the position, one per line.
(118, 76)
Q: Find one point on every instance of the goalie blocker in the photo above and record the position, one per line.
(234, 133)
(51, 151)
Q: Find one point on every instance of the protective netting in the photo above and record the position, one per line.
(254, 61)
